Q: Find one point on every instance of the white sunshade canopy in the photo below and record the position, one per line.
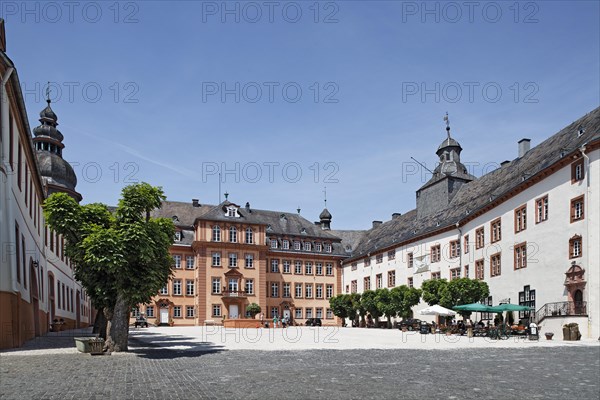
(437, 310)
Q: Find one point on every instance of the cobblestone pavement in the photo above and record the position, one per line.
(150, 371)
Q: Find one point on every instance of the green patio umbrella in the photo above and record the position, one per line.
(510, 307)
(477, 307)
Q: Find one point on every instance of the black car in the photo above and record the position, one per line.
(411, 324)
(140, 321)
(313, 322)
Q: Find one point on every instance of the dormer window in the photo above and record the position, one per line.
(303, 231)
(307, 246)
(178, 236)
(296, 245)
(285, 245)
(232, 211)
(328, 247)
(318, 247)
(273, 243)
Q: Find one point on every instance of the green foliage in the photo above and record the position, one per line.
(339, 305)
(123, 254)
(405, 298)
(463, 291)
(253, 309)
(432, 290)
(368, 302)
(387, 304)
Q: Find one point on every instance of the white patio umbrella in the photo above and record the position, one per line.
(437, 310)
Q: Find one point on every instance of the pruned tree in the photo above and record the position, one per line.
(121, 259)
(463, 291)
(432, 290)
(406, 298)
(253, 309)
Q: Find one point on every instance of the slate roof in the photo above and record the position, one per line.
(186, 213)
(474, 196)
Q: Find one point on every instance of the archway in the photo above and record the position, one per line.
(35, 298)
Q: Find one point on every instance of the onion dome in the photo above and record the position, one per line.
(325, 214)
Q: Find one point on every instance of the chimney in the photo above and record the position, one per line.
(247, 206)
(377, 223)
(396, 215)
(195, 203)
(503, 163)
(524, 145)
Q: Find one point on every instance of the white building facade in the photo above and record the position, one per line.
(529, 229)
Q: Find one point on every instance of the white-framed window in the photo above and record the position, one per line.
(329, 269)
(249, 236)
(329, 313)
(164, 290)
(319, 290)
(177, 287)
(216, 310)
(190, 311)
(216, 233)
(319, 312)
(189, 287)
(189, 262)
(307, 246)
(149, 311)
(232, 234)
(286, 292)
(308, 291)
(274, 312)
(177, 260)
(216, 259)
(249, 258)
(231, 211)
(308, 268)
(309, 313)
(318, 247)
(298, 313)
(286, 267)
(329, 291)
(298, 290)
(233, 260)
(274, 265)
(216, 285)
(296, 245)
(135, 312)
(249, 288)
(319, 268)
(298, 268)
(274, 289)
(177, 312)
(273, 243)
(285, 244)
(233, 285)
(328, 247)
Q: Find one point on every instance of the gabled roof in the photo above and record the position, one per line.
(487, 191)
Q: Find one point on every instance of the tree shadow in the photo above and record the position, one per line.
(161, 347)
(53, 340)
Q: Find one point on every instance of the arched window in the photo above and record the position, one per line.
(249, 235)
(233, 234)
(216, 233)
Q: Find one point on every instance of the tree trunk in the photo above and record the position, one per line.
(118, 326)
(389, 322)
(100, 324)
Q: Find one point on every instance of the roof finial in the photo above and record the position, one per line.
(298, 209)
(447, 124)
(226, 195)
(48, 93)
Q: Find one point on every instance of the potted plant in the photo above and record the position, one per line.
(171, 322)
(549, 335)
(566, 332)
(253, 309)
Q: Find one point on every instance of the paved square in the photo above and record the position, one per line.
(182, 364)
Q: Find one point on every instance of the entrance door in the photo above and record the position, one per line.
(287, 314)
(578, 298)
(233, 311)
(164, 315)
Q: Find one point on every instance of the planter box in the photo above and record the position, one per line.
(89, 345)
(566, 333)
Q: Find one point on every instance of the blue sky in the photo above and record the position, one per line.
(173, 92)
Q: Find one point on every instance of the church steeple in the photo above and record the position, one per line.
(58, 175)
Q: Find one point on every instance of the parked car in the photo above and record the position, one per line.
(313, 322)
(412, 324)
(140, 322)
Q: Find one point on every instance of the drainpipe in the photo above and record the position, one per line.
(587, 170)
(6, 233)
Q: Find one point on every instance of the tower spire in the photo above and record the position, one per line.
(48, 93)
(325, 196)
(447, 119)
